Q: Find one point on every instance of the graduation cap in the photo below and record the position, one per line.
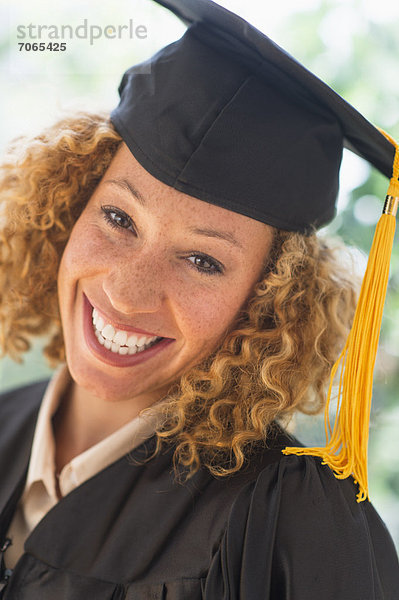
(227, 116)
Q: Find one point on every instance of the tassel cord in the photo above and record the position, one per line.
(347, 440)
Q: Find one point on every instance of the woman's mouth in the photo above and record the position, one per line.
(119, 341)
(117, 346)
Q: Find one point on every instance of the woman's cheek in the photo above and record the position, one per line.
(207, 314)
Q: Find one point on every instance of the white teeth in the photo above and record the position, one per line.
(120, 338)
(108, 332)
(132, 341)
(117, 341)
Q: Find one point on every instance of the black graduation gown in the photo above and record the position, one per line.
(283, 529)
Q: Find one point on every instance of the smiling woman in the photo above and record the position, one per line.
(192, 309)
(169, 273)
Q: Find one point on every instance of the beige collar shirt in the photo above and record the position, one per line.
(40, 493)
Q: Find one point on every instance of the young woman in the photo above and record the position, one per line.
(192, 309)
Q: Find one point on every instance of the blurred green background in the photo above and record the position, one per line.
(353, 45)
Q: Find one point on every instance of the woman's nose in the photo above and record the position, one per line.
(137, 286)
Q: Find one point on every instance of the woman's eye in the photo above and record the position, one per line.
(205, 264)
(117, 218)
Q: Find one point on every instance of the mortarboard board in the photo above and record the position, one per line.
(227, 116)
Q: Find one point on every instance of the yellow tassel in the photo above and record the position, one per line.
(346, 448)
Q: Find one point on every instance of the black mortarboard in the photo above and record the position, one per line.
(227, 116)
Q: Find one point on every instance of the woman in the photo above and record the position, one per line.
(191, 317)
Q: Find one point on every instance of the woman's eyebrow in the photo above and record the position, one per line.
(126, 185)
(216, 233)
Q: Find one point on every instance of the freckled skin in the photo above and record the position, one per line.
(146, 279)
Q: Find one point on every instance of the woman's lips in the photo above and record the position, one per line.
(112, 358)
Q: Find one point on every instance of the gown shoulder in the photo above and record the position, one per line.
(298, 533)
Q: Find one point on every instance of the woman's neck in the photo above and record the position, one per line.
(83, 420)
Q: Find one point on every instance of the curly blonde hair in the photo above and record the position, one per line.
(275, 358)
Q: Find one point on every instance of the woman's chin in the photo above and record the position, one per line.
(108, 388)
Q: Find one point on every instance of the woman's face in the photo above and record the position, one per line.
(166, 274)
